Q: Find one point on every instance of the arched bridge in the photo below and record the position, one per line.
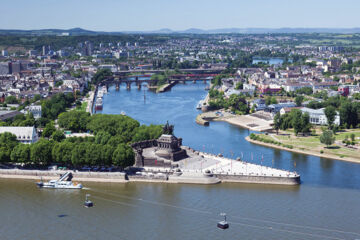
(140, 79)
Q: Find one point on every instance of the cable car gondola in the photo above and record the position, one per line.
(223, 224)
(87, 202)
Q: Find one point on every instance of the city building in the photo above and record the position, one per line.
(4, 53)
(318, 117)
(35, 110)
(25, 135)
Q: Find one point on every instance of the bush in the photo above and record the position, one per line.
(321, 151)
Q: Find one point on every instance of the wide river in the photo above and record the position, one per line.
(325, 206)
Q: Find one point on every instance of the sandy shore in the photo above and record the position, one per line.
(322, 155)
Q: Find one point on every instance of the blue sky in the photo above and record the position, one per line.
(119, 15)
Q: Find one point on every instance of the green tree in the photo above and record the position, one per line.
(277, 122)
(21, 153)
(327, 138)
(11, 100)
(58, 136)
(296, 120)
(75, 121)
(239, 85)
(147, 132)
(305, 123)
(102, 137)
(123, 156)
(41, 152)
(107, 152)
(78, 157)
(298, 100)
(48, 130)
(352, 136)
(330, 113)
(62, 152)
(7, 143)
(100, 75)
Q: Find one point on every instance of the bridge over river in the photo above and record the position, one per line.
(146, 78)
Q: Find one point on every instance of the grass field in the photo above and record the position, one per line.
(311, 144)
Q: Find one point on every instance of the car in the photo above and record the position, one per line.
(95, 169)
(85, 169)
(111, 169)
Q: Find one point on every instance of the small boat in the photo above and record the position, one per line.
(63, 182)
(223, 224)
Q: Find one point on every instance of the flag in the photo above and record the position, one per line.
(155, 161)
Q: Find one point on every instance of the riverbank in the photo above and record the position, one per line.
(245, 121)
(224, 171)
(306, 152)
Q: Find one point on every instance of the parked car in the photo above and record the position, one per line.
(85, 169)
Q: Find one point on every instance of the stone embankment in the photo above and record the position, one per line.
(166, 87)
(200, 120)
(77, 176)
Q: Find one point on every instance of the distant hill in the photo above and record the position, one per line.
(80, 31)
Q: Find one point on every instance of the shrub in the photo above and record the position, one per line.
(321, 151)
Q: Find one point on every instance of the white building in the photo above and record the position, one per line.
(111, 67)
(35, 110)
(318, 117)
(25, 135)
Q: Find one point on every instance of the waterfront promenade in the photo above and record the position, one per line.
(245, 121)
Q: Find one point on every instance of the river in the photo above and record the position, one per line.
(324, 206)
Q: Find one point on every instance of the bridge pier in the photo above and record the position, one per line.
(128, 85)
(117, 86)
(138, 86)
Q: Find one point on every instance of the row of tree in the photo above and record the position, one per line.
(295, 119)
(72, 153)
(109, 146)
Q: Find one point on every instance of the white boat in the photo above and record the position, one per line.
(63, 182)
(123, 113)
(200, 104)
(104, 90)
(100, 94)
(98, 104)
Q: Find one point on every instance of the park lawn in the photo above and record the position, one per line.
(312, 143)
(83, 106)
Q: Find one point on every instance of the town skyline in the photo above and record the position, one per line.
(110, 15)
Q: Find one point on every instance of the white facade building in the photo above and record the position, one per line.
(25, 135)
(35, 110)
(318, 117)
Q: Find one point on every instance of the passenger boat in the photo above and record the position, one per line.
(64, 182)
(99, 104)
